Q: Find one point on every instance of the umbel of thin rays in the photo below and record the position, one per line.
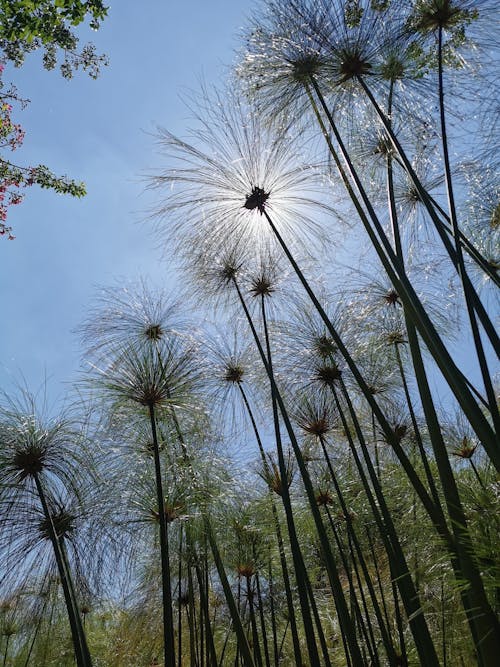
(232, 153)
(157, 375)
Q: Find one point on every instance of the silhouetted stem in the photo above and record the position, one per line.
(418, 436)
(253, 622)
(38, 625)
(466, 284)
(82, 654)
(432, 422)
(345, 510)
(263, 629)
(179, 605)
(394, 550)
(388, 432)
(193, 643)
(205, 618)
(273, 614)
(279, 537)
(243, 646)
(168, 621)
(345, 564)
(299, 566)
(6, 651)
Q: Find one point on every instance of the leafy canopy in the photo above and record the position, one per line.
(27, 25)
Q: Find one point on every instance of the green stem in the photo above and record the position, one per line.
(473, 466)
(253, 622)
(424, 197)
(300, 569)
(179, 605)
(273, 614)
(262, 620)
(168, 621)
(388, 432)
(205, 620)
(418, 437)
(82, 654)
(6, 651)
(355, 541)
(356, 611)
(193, 643)
(409, 596)
(279, 537)
(437, 442)
(319, 627)
(466, 285)
(469, 247)
(243, 646)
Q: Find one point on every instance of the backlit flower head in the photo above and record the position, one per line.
(283, 50)
(133, 313)
(315, 415)
(35, 444)
(310, 355)
(25, 538)
(217, 186)
(270, 473)
(329, 42)
(229, 371)
(153, 377)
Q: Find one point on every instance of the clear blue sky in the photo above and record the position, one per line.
(98, 131)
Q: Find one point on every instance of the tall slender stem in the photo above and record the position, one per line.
(168, 621)
(279, 537)
(333, 576)
(243, 646)
(179, 602)
(352, 535)
(262, 619)
(82, 653)
(424, 197)
(300, 570)
(466, 285)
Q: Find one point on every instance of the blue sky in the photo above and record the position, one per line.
(99, 132)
